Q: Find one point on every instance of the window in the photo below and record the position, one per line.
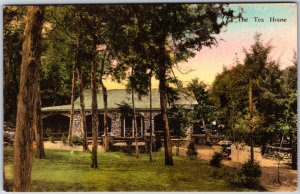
(128, 128)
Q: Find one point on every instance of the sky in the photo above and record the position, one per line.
(238, 36)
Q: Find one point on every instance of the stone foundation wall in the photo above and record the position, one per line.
(116, 121)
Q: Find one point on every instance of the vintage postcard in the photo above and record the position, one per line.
(147, 97)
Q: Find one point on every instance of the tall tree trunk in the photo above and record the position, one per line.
(264, 141)
(5, 186)
(70, 136)
(251, 107)
(293, 144)
(40, 151)
(28, 96)
(202, 119)
(94, 111)
(137, 152)
(78, 61)
(163, 106)
(106, 139)
(104, 93)
(151, 127)
(82, 112)
(13, 69)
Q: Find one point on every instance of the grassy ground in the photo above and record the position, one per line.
(70, 171)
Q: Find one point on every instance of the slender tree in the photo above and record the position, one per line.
(78, 61)
(94, 108)
(162, 74)
(104, 93)
(255, 62)
(28, 97)
(70, 135)
(137, 152)
(151, 127)
(40, 151)
(251, 117)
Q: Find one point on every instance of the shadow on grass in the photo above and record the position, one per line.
(70, 171)
(57, 186)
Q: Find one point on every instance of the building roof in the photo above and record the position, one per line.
(117, 96)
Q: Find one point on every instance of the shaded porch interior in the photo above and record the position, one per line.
(100, 125)
(55, 125)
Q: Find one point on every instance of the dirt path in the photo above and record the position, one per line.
(60, 146)
(288, 177)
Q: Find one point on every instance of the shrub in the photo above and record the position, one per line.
(64, 139)
(250, 169)
(208, 143)
(77, 140)
(216, 159)
(250, 173)
(129, 148)
(249, 182)
(157, 143)
(191, 152)
(52, 139)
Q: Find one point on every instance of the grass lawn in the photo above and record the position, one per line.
(70, 171)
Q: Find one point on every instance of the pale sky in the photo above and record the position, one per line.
(239, 35)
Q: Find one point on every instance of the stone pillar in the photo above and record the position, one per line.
(147, 120)
(77, 125)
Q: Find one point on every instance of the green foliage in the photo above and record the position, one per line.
(191, 152)
(175, 35)
(125, 109)
(272, 109)
(216, 159)
(249, 182)
(157, 143)
(179, 119)
(129, 148)
(57, 55)
(249, 175)
(64, 139)
(77, 140)
(52, 139)
(229, 94)
(250, 169)
(13, 26)
(240, 131)
(204, 111)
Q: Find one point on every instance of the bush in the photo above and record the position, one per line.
(129, 148)
(250, 169)
(216, 160)
(64, 139)
(77, 140)
(250, 173)
(249, 182)
(157, 143)
(191, 152)
(52, 139)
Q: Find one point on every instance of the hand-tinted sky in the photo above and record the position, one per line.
(240, 35)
